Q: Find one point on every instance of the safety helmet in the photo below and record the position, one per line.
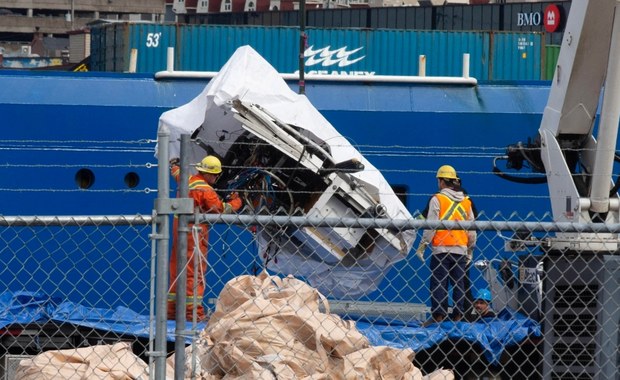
(447, 172)
(210, 164)
(484, 294)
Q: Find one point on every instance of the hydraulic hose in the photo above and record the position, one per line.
(526, 180)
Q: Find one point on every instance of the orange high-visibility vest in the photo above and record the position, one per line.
(453, 211)
(205, 196)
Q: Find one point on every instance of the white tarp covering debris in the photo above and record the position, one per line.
(263, 131)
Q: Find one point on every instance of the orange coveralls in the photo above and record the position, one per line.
(207, 201)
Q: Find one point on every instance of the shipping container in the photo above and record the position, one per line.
(111, 45)
(516, 56)
(207, 48)
(493, 55)
(513, 17)
(552, 52)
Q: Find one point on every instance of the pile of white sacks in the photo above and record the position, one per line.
(264, 327)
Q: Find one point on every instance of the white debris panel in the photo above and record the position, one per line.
(283, 156)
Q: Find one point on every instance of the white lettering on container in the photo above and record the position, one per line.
(529, 19)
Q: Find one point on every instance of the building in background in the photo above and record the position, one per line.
(22, 20)
(27, 27)
(222, 6)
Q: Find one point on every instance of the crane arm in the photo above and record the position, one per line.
(578, 167)
(568, 119)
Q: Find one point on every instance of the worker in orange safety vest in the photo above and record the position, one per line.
(451, 249)
(206, 200)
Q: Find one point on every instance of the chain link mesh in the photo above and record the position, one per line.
(65, 279)
(555, 315)
(86, 286)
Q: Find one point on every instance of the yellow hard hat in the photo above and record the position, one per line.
(447, 172)
(210, 164)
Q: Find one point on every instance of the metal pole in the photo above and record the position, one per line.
(170, 59)
(302, 45)
(181, 280)
(407, 224)
(422, 66)
(152, 295)
(72, 14)
(133, 60)
(163, 235)
(608, 126)
(466, 65)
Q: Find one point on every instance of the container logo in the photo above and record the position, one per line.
(528, 19)
(326, 57)
(552, 18)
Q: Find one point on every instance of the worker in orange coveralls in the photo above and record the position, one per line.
(206, 200)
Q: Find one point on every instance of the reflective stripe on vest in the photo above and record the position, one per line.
(189, 300)
(196, 182)
(452, 211)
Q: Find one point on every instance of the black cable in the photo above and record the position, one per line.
(534, 164)
(508, 177)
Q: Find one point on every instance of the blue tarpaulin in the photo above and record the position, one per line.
(32, 307)
(493, 335)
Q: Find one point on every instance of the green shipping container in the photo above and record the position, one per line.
(552, 52)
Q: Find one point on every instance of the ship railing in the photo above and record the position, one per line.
(421, 78)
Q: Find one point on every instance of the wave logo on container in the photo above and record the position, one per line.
(327, 57)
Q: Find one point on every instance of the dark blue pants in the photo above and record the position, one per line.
(447, 269)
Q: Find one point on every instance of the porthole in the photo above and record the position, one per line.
(401, 192)
(85, 178)
(132, 180)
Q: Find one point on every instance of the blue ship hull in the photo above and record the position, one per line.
(56, 124)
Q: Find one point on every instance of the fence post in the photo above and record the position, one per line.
(163, 235)
(181, 280)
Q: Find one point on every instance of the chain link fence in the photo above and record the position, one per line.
(555, 314)
(551, 289)
(296, 293)
(87, 282)
(73, 282)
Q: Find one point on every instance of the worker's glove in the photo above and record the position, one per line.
(470, 255)
(420, 251)
(174, 161)
(234, 200)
